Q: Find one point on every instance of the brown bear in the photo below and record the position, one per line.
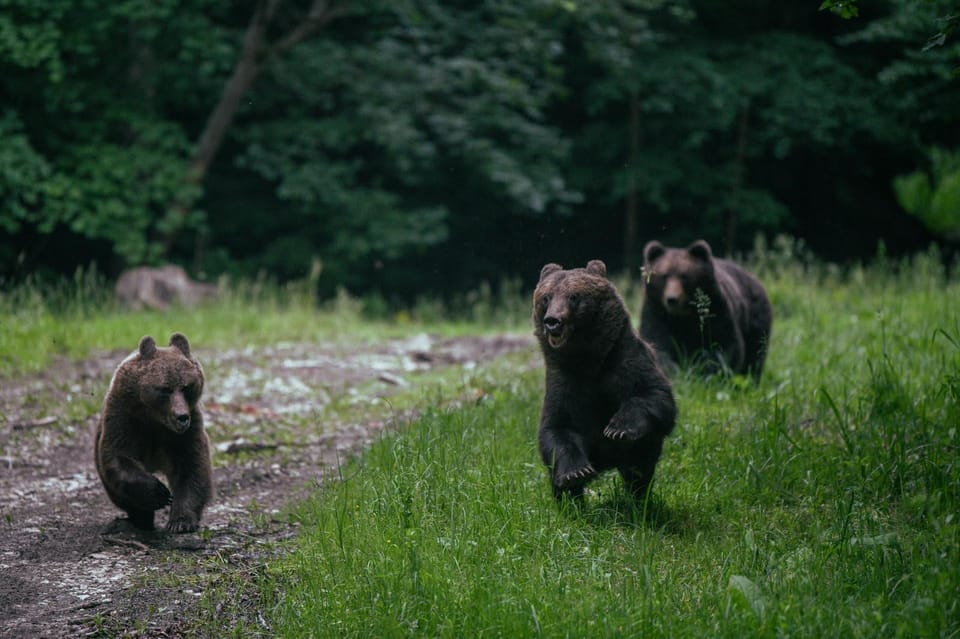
(152, 422)
(703, 310)
(607, 404)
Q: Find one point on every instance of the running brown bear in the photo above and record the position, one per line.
(607, 404)
(152, 422)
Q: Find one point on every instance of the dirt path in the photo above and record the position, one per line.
(280, 419)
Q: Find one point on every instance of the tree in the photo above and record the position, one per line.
(721, 109)
(370, 138)
(934, 196)
(257, 51)
(86, 147)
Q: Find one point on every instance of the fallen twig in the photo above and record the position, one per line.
(34, 423)
(129, 543)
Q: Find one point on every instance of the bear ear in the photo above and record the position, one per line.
(148, 347)
(652, 251)
(700, 250)
(597, 267)
(548, 269)
(179, 341)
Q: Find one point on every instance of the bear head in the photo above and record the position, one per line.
(167, 381)
(674, 275)
(575, 309)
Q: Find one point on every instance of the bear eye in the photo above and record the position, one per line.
(574, 299)
(545, 300)
(164, 390)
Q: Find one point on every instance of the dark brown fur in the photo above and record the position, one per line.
(704, 310)
(152, 422)
(607, 404)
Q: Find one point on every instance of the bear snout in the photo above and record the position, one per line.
(180, 423)
(553, 325)
(674, 299)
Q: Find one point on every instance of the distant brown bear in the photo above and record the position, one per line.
(607, 404)
(704, 310)
(152, 422)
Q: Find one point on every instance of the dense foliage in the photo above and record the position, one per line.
(420, 144)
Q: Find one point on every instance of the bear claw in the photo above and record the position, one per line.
(617, 433)
(182, 525)
(576, 475)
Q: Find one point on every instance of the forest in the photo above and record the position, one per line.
(425, 147)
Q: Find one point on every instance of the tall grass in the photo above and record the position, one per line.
(822, 502)
(78, 316)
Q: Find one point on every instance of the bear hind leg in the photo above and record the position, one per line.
(571, 493)
(636, 481)
(638, 474)
(142, 519)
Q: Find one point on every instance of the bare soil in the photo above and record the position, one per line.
(281, 419)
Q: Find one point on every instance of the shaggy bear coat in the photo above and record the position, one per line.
(702, 310)
(152, 422)
(607, 404)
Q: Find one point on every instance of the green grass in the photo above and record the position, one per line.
(78, 317)
(821, 503)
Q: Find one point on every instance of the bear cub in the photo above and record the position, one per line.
(704, 310)
(607, 404)
(152, 422)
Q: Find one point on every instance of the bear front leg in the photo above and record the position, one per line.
(638, 417)
(192, 489)
(629, 423)
(564, 455)
(133, 489)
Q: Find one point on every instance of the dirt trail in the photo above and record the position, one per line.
(280, 419)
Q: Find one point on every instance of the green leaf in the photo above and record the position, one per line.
(747, 594)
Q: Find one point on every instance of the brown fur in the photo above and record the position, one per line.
(704, 310)
(152, 422)
(607, 404)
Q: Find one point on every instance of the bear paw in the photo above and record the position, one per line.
(182, 524)
(159, 495)
(617, 431)
(575, 476)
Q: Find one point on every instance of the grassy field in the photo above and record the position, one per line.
(821, 503)
(79, 316)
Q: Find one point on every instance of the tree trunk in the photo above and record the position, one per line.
(244, 73)
(630, 214)
(255, 54)
(253, 57)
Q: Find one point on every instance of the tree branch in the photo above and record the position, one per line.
(244, 73)
(255, 54)
(320, 15)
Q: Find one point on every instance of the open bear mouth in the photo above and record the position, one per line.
(178, 427)
(556, 341)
